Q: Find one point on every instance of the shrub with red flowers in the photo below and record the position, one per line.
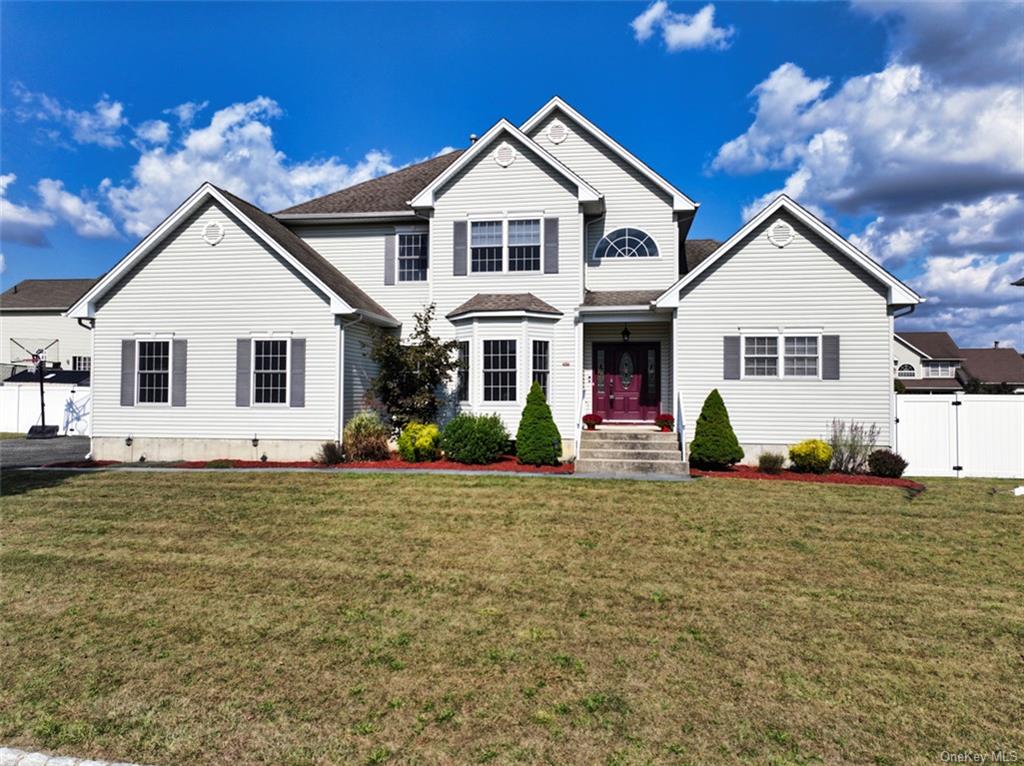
(665, 422)
(592, 421)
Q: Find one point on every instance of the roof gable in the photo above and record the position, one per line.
(345, 297)
(680, 201)
(897, 292)
(930, 345)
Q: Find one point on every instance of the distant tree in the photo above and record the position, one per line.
(412, 376)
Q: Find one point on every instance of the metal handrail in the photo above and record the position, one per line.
(579, 422)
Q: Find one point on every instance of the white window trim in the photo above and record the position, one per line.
(287, 371)
(518, 371)
(504, 217)
(411, 229)
(169, 340)
(781, 333)
(657, 244)
(549, 371)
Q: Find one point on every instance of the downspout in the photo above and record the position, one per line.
(92, 358)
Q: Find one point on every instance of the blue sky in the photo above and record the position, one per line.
(870, 115)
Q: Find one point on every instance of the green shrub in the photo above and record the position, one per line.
(811, 456)
(475, 439)
(883, 462)
(851, 444)
(419, 442)
(714, 442)
(770, 462)
(366, 437)
(330, 453)
(538, 441)
(220, 463)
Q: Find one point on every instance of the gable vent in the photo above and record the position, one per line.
(213, 233)
(557, 132)
(505, 155)
(780, 234)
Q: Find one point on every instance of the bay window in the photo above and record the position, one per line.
(499, 371)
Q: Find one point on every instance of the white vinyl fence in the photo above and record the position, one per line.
(68, 407)
(970, 435)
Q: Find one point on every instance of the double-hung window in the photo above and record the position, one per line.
(412, 256)
(81, 363)
(761, 356)
(499, 371)
(801, 359)
(153, 371)
(541, 364)
(270, 371)
(487, 246)
(463, 373)
(939, 369)
(524, 245)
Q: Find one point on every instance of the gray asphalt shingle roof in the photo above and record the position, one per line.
(36, 294)
(937, 345)
(696, 250)
(504, 302)
(619, 297)
(994, 365)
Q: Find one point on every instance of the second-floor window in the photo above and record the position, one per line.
(513, 245)
(412, 257)
(939, 369)
(906, 371)
(524, 245)
(487, 246)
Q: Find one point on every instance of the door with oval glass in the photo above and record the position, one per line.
(627, 381)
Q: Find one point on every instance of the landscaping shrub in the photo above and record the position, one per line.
(220, 463)
(366, 437)
(476, 439)
(538, 441)
(330, 453)
(770, 462)
(714, 443)
(665, 422)
(419, 442)
(811, 456)
(592, 420)
(851, 444)
(884, 462)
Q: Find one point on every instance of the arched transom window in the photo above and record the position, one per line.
(626, 243)
(906, 371)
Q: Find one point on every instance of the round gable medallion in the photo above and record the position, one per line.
(505, 155)
(557, 132)
(780, 233)
(213, 233)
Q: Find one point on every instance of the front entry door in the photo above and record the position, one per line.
(626, 381)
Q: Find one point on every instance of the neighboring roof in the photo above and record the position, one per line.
(931, 384)
(897, 294)
(620, 297)
(586, 192)
(934, 345)
(994, 365)
(37, 294)
(1018, 283)
(679, 200)
(492, 302)
(386, 194)
(345, 297)
(72, 377)
(344, 287)
(696, 250)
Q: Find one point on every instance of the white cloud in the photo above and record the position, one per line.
(186, 112)
(154, 132)
(101, 125)
(235, 150)
(83, 215)
(19, 223)
(681, 31)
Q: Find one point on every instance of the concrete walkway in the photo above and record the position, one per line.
(11, 757)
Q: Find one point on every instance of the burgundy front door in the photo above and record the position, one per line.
(626, 381)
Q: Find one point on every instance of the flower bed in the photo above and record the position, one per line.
(751, 472)
(507, 463)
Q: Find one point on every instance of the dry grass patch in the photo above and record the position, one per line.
(320, 619)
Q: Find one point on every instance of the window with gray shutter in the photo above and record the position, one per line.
(731, 357)
(389, 259)
(550, 245)
(830, 357)
(243, 371)
(179, 372)
(128, 373)
(459, 248)
(298, 373)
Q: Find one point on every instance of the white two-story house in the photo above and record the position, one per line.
(551, 253)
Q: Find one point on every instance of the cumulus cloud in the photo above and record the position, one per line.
(20, 223)
(187, 112)
(100, 125)
(83, 215)
(681, 31)
(153, 132)
(929, 150)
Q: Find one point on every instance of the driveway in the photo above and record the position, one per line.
(20, 453)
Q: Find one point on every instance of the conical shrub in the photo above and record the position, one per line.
(538, 441)
(714, 442)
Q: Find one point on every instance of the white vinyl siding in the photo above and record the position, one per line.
(360, 369)
(212, 296)
(631, 200)
(760, 285)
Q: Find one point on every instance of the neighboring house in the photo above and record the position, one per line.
(552, 254)
(993, 367)
(32, 316)
(926, 362)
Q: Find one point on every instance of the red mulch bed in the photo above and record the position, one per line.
(507, 463)
(750, 472)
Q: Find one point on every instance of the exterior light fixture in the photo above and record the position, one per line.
(255, 441)
(625, 333)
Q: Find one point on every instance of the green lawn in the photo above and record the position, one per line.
(322, 619)
(6, 435)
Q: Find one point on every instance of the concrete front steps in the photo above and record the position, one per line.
(631, 451)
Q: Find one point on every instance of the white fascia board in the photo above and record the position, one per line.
(898, 293)
(85, 307)
(622, 315)
(505, 315)
(427, 197)
(680, 201)
(614, 309)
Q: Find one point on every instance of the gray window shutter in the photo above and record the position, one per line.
(179, 360)
(243, 371)
(830, 357)
(459, 249)
(389, 258)
(297, 373)
(731, 357)
(550, 245)
(127, 373)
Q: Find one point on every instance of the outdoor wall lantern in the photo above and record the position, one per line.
(625, 333)
(255, 441)
(128, 441)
